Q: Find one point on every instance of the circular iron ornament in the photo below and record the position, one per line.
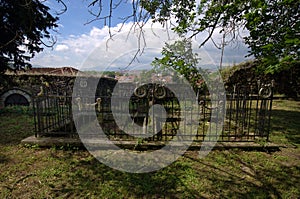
(265, 91)
(159, 92)
(106, 150)
(140, 91)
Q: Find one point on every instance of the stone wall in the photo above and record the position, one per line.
(30, 86)
(286, 82)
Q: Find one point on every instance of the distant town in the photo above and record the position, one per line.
(122, 76)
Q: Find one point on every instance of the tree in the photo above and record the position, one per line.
(111, 74)
(274, 34)
(24, 24)
(179, 57)
(273, 25)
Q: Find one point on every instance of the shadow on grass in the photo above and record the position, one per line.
(14, 127)
(223, 174)
(91, 177)
(244, 180)
(286, 123)
(3, 159)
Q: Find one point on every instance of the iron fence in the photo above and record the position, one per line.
(53, 116)
(248, 114)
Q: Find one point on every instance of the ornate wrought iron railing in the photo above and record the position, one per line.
(248, 114)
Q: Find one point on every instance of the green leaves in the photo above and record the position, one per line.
(273, 25)
(24, 24)
(274, 31)
(179, 57)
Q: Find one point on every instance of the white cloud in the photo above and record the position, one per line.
(95, 50)
(61, 47)
(96, 32)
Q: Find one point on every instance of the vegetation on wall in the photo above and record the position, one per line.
(287, 81)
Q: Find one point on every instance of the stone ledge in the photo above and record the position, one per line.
(102, 144)
(51, 141)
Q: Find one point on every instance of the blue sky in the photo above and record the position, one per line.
(75, 20)
(78, 43)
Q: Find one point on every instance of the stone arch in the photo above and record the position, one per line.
(23, 95)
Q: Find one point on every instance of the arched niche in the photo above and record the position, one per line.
(15, 96)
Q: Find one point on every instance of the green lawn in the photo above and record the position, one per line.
(33, 172)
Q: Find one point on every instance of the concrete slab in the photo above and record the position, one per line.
(102, 144)
(51, 141)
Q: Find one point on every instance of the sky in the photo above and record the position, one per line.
(87, 46)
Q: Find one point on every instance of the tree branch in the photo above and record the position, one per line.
(211, 32)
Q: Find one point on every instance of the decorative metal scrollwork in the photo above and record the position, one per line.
(82, 106)
(44, 85)
(140, 91)
(265, 90)
(159, 92)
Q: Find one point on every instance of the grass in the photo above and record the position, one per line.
(285, 122)
(33, 172)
